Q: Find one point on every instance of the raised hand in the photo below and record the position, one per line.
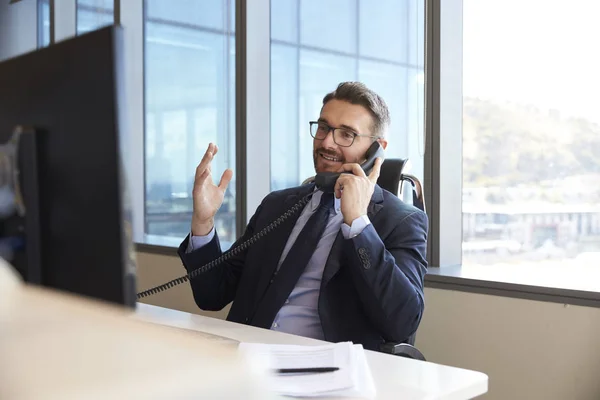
(207, 196)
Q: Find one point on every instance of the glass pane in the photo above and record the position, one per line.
(44, 23)
(285, 20)
(320, 73)
(415, 117)
(206, 13)
(392, 23)
(390, 82)
(531, 134)
(189, 99)
(284, 117)
(94, 14)
(301, 75)
(416, 32)
(330, 24)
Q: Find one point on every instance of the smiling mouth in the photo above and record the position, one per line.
(329, 158)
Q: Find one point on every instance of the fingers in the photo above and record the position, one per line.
(354, 168)
(374, 175)
(356, 172)
(200, 179)
(204, 166)
(203, 171)
(225, 179)
(339, 185)
(338, 190)
(202, 176)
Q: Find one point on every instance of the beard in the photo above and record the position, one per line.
(329, 153)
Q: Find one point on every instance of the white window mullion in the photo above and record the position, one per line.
(63, 23)
(130, 15)
(253, 119)
(443, 124)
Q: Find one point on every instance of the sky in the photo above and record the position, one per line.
(540, 52)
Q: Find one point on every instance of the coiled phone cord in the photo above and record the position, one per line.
(230, 253)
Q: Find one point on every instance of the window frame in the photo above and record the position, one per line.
(443, 176)
(443, 131)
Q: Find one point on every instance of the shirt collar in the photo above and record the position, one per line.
(316, 199)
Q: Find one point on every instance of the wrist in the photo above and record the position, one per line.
(351, 217)
(202, 228)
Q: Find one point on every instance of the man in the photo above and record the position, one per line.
(362, 278)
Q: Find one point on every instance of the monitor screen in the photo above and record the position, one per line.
(65, 220)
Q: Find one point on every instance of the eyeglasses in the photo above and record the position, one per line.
(341, 136)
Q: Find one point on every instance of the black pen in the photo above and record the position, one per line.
(305, 370)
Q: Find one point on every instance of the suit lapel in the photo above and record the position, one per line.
(336, 258)
(276, 240)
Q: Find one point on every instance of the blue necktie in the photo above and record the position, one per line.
(285, 278)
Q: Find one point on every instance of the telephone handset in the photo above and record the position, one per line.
(325, 181)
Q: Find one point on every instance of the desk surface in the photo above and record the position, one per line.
(55, 346)
(395, 377)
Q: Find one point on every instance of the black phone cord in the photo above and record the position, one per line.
(230, 253)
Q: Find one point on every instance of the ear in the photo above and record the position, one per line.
(382, 142)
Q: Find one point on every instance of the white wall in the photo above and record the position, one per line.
(18, 28)
(529, 349)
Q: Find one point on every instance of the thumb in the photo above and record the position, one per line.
(225, 179)
(374, 175)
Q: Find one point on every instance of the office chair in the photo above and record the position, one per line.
(392, 177)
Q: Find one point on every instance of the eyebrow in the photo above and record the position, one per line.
(348, 127)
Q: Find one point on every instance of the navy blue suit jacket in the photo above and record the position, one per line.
(372, 286)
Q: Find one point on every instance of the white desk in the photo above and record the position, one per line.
(395, 377)
(55, 346)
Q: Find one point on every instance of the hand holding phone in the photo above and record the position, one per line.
(207, 196)
(355, 185)
(355, 190)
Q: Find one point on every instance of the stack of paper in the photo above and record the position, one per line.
(352, 379)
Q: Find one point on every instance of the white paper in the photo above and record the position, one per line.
(365, 385)
(352, 379)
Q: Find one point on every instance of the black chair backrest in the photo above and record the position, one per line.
(392, 177)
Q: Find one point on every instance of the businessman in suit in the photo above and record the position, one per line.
(357, 277)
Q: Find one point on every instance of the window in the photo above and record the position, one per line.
(524, 180)
(43, 23)
(189, 102)
(531, 133)
(94, 14)
(315, 45)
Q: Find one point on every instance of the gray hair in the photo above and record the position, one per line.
(359, 94)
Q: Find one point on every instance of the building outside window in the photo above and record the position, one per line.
(531, 133)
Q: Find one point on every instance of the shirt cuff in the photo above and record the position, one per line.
(358, 225)
(197, 242)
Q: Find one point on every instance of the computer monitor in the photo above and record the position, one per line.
(63, 106)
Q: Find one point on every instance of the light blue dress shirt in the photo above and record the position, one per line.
(299, 315)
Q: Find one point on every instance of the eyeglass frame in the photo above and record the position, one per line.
(332, 130)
